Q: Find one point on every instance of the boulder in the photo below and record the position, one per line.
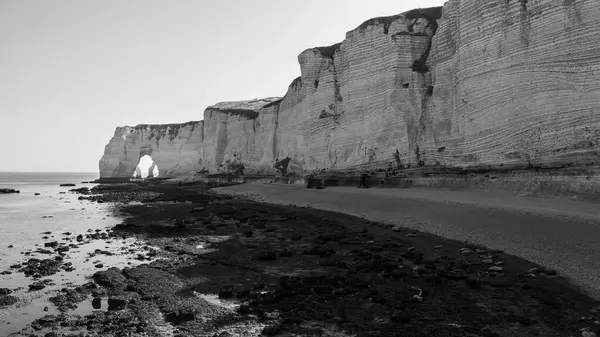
(111, 278)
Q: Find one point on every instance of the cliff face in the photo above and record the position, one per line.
(492, 84)
(174, 148)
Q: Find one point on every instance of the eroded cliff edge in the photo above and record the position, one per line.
(476, 86)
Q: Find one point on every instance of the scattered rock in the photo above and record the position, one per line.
(8, 190)
(5, 291)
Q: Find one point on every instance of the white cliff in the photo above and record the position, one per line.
(491, 85)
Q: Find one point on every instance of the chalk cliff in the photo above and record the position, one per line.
(495, 85)
(173, 147)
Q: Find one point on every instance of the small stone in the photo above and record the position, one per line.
(37, 286)
(437, 247)
(99, 265)
(412, 235)
(226, 292)
(116, 303)
(496, 269)
(52, 244)
(243, 309)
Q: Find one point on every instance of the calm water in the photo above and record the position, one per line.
(21, 225)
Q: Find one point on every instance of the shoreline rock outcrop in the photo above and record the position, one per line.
(506, 86)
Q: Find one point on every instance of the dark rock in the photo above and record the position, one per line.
(286, 253)
(499, 283)
(293, 320)
(243, 309)
(267, 256)
(67, 185)
(8, 190)
(8, 300)
(52, 244)
(81, 190)
(116, 303)
(36, 194)
(99, 265)
(242, 293)
(226, 292)
(37, 286)
(112, 278)
(473, 282)
(271, 330)
(5, 291)
(62, 249)
(400, 317)
(97, 303)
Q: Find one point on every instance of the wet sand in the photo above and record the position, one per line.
(558, 233)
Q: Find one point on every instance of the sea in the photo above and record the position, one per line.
(23, 219)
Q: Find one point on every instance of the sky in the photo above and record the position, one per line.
(71, 71)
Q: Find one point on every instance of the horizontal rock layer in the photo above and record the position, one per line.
(491, 84)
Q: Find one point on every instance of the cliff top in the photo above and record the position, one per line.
(432, 14)
(162, 126)
(252, 105)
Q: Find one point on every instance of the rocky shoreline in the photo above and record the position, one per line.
(223, 266)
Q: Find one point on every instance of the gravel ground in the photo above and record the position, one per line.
(556, 233)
